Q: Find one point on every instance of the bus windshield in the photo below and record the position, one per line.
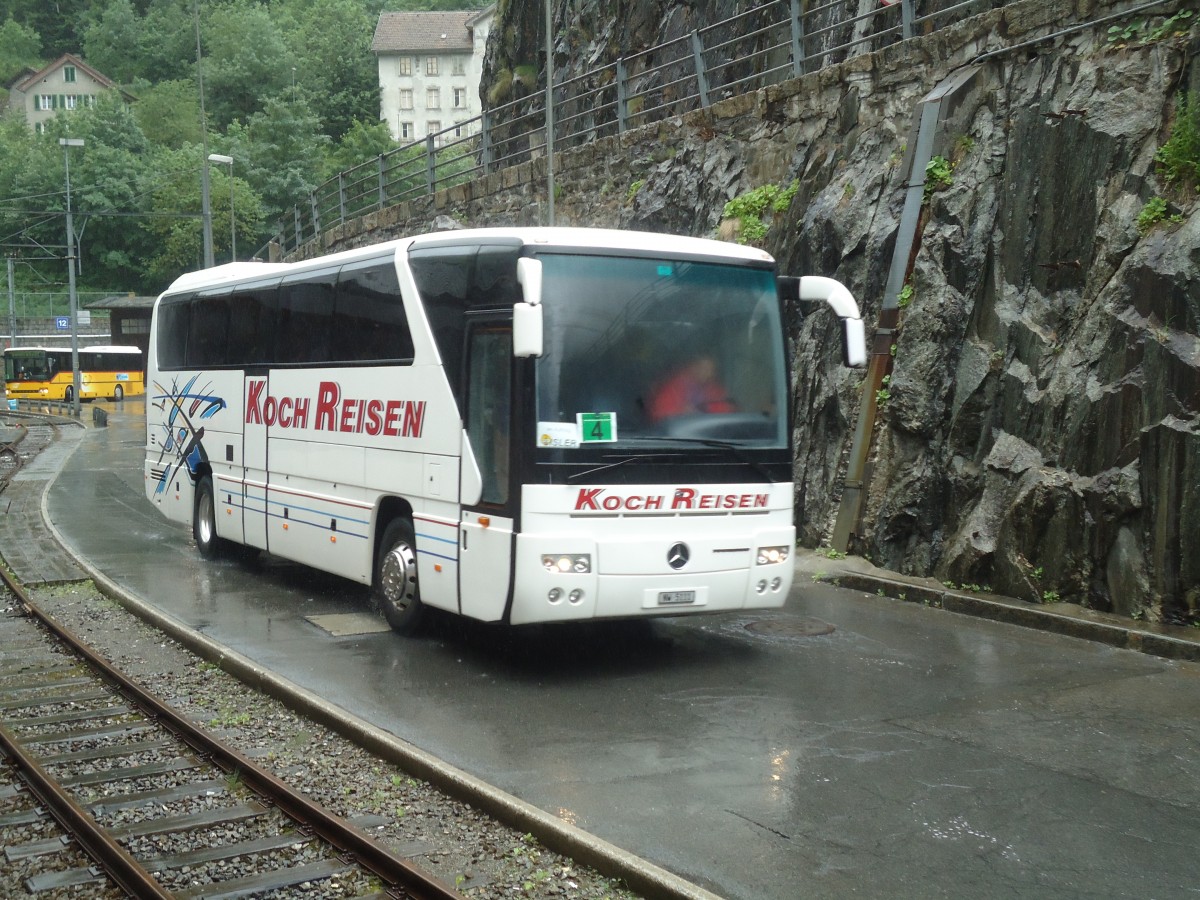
(659, 353)
(30, 365)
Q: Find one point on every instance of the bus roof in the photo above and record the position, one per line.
(565, 238)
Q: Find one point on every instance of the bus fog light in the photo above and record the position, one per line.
(554, 595)
(769, 555)
(577, 563)
(576, 596)
(776, 583)
(761, 587)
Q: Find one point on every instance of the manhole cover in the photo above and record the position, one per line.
(790, 627)
(348, 624)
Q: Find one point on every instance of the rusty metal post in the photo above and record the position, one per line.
(931, 111)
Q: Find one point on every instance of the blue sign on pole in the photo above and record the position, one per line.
(62, 323)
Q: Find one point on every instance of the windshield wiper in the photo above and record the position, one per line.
(735, 449)
(637, 457)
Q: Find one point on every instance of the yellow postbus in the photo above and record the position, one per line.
(44, 373)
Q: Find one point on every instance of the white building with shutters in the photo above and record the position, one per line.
(65, 85)
(430, 66)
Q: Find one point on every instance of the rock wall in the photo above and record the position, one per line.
(1041, 429)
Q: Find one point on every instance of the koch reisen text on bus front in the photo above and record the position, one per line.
(597, 500)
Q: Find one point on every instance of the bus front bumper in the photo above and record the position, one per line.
(545, 594)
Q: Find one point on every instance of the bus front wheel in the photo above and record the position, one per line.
(69, 394)
(204, 520)
(118, 394)
(395, 584)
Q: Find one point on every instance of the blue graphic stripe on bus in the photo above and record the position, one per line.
(434, 537)
(421, 551)
(323, 525)
(240, 495)
(424, 537)
(318, 512)
(238, 500)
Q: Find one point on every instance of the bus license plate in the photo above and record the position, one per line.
(676, 598)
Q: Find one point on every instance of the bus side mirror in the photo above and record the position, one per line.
(529, 276)
(815, 288)
(527, 330)
(527, 315)
(854, 343)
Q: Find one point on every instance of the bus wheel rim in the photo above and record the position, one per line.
(206, 518)
(399, 580)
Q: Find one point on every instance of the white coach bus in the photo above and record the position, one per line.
(519, 425)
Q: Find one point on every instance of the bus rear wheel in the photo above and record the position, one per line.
(395, 586)
(118, 394)
(204, 520)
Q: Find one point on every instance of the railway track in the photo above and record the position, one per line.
(10, 457)
(108, 791)
(23, 436)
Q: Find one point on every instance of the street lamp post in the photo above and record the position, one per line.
(67, 144)
(228, 161)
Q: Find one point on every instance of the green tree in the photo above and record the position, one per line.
(363, 142)
(245, 61)
(111, 38)
(330, 44)
(175, 232)
(284, 154)
(154, 41)
(168, 112)
(107, 191)
(28, 210)
(20, 46)
(54, 23)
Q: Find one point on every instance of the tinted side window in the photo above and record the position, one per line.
(369, 320)
(494, 279)
(174, 314)
(253, 318)
(306, 319)
(443, 277)
(208, 340)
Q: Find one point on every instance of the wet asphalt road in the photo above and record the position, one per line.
(847, 745)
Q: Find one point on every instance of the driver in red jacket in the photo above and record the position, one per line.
(693, 389)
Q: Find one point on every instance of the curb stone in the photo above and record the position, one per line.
(1069, 619)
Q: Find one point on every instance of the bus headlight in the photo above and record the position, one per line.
(563, 563)
(768, 555)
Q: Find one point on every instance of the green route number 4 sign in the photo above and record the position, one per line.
(597, 428)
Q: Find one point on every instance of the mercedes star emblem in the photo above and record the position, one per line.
(678, 555)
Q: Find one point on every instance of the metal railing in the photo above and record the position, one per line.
(774, 42)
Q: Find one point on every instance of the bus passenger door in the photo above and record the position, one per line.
(254, 462)
(485, 560)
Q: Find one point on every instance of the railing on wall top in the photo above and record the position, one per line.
(779, 40)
